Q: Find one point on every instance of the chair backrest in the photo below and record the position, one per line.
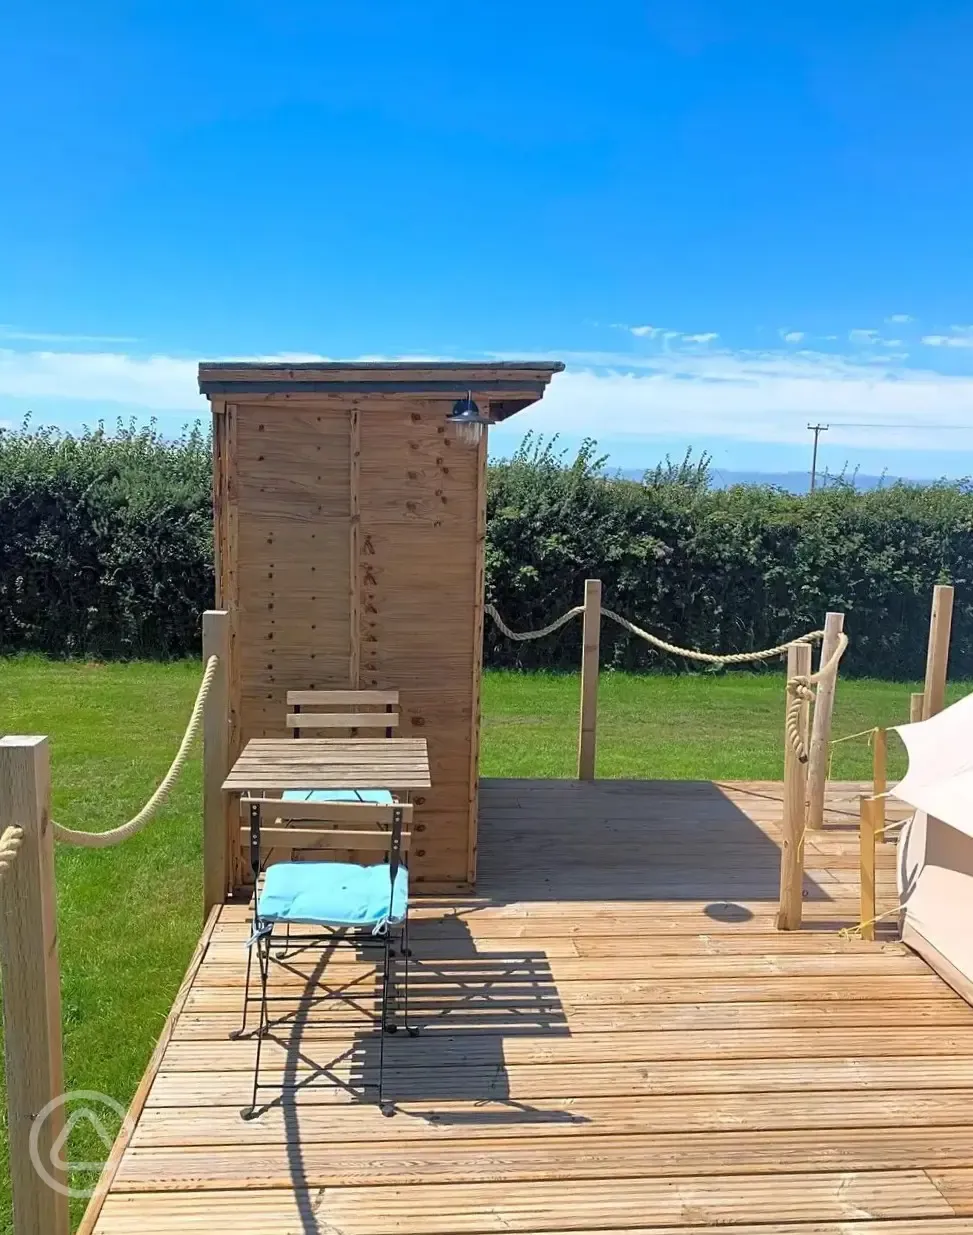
(318, 711)
(327, 827)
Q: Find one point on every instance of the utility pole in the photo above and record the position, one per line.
(817, 430)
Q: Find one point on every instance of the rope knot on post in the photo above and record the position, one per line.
(10, 843)
(800, 689)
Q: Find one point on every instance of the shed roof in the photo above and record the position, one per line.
(516, 383)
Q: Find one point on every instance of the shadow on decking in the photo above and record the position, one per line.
(540, 841)
(631, 840)
(464, 1004)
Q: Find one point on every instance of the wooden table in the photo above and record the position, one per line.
(397, 764)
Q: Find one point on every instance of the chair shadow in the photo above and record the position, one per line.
(463, 1002)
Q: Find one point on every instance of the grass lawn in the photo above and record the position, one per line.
(129, 916)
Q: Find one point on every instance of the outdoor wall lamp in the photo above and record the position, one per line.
(467, 419)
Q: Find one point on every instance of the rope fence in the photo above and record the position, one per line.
(525, 636)
(799, 687)
(805, 770)
(717, 659)
(115, 836)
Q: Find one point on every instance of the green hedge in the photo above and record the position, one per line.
(106, 552)
(106, 542)
(730, 570)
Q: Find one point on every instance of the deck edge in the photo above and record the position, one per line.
(97, 1200)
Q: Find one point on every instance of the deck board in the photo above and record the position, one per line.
(615, 1038)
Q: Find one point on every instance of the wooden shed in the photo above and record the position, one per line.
(349, 543)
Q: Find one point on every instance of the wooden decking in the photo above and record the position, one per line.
(614, 1038)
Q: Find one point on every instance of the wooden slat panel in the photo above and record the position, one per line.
(625, 1046)
(956, 1185)
(578, 1118)
(597, 1080)
(325, 839)
(421, 493)
(445, 940)
(635, 1156)
(931, 1017)
(341, 698)
(465, 1209)
(290, 477)
(330, 763)
(446, 998)
(528, 971)
(342, 720)
(360, 813)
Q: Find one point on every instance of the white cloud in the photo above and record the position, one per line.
(15, 335)
(863, 336)
(156, 382)
(962, 336)
(900, 319)
(752, 396)
(665, 335)
(792, 336)
(701, 392)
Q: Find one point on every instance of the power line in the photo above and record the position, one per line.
(874, 424)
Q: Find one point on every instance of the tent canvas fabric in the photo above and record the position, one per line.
(940, 776)
(935, 850)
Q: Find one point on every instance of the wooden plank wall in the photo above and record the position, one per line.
(293, 545)
(304, 487)
(421, 586)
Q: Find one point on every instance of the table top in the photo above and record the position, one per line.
(331, 763)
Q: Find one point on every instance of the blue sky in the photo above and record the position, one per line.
(727, 218)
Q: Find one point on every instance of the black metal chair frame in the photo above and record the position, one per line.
(325, 936)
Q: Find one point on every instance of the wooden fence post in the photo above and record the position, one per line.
(915, 707)
(590, 664)
(31, 990)
(795, 799)
(820, 749)
(937, 654)
(868, 826)
(216, 760)
(880, 779)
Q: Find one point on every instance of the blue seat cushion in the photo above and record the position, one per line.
(379, 797)
(333, 894)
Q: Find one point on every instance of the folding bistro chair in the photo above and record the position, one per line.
(346, 903)
(352, 716)
(365, 906)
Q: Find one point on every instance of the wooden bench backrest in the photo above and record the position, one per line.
(315, 712)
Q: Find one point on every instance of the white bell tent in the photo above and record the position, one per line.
(935, 854)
